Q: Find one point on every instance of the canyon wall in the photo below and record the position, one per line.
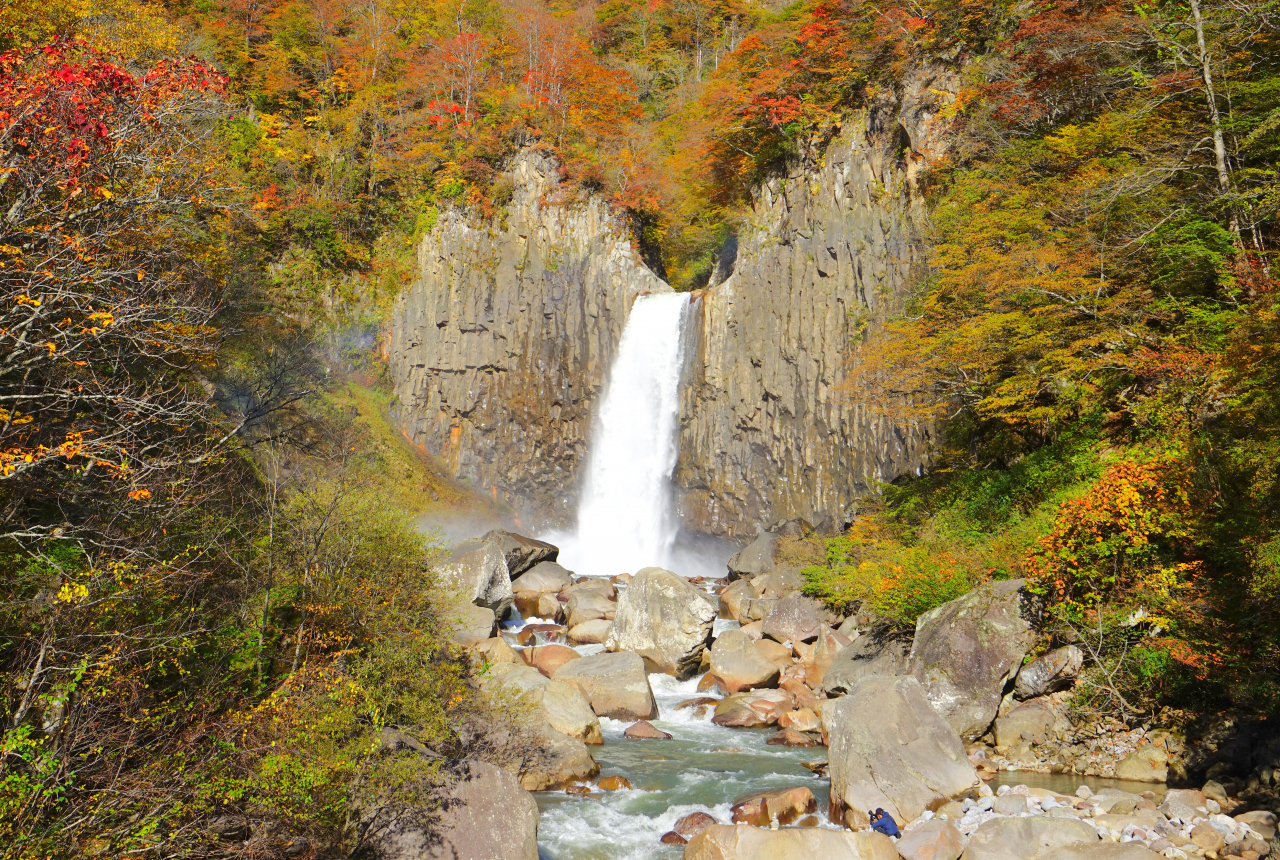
(769, 430)
(501, 346)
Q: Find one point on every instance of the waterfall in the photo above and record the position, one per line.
(625, 520)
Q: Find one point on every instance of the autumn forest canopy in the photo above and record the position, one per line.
(214, 594)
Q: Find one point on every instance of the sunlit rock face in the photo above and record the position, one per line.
(501, 346)
(770, 430)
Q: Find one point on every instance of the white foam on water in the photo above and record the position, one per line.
(625, 516)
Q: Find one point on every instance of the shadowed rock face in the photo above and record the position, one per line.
(502, 344)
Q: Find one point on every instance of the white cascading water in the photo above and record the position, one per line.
(625, 521)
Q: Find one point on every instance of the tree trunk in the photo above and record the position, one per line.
(1215, 118)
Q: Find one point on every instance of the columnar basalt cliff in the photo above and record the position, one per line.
(768, 429)
(500, 348)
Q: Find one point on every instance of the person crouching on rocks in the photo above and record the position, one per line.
(882, 822)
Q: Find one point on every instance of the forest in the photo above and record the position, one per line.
(214, 593)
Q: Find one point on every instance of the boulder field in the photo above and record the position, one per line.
(914, 723)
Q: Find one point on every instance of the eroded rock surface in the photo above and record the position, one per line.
(665, 620)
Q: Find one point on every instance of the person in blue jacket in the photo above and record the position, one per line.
(882, 822)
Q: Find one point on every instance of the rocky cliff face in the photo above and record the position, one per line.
(768, 430)
(500, 348)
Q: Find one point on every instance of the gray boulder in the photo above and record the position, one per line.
(967, 650)
(593, 600)
(882, 653)
(521, 552)
(754, 559)
(477, 571)
(616, 685)
(889, 749)
(1026, 838)
(485, 814)
(739, 664)
(1053, 671)
(546, 577)
(794, 620)
(665, 620)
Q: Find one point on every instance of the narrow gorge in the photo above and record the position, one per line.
(501, 347)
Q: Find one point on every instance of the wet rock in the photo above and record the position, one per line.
(665, 620)
(613, 783)
(801, 720)
(694, 823)
(761, 808)
(932, 840)
(889, 749)
(547, 658)
(590, 632)
(1025, 838)
(738, 665)
(496, 650)
(879, 654)
(791, 738)
(1028, 721)
(645, 730)
(578, 790)
(735, 712)
(794, 619)
(555, 760)
(672, 838)
(966, 650)
(521, 552)
(745, 842)
(530, 633)
(484, 814)
(477, 572)
(470, 624)
(1055, 670)
(732, 597)
(616, 685)
(589, 601)
(543, 578)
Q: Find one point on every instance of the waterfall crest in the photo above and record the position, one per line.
(625, 517)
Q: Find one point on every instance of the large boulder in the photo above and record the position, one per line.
(739, 665)
(569, 713)
(889, 749)
(547, 658)
(485, 814)
(744, 842)
(966, 651)
(1148, 763)
(554, 759)
(521, 552)
(1031, 721)
(794, 620)
(477, 572)
(754, 559)
(731, 598)
(1053, 671)
(665, 620)
(932, 840)
(616, 685)
(1026, 838)
(1101, 851)
(593, 600)
(784, 805)
(469, 624)
(882, 653)
(544, 578)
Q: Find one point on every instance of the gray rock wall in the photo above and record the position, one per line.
(768, 429)
(500, 348)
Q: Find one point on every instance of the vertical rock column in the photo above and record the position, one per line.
(769, 429)
(501, 346)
